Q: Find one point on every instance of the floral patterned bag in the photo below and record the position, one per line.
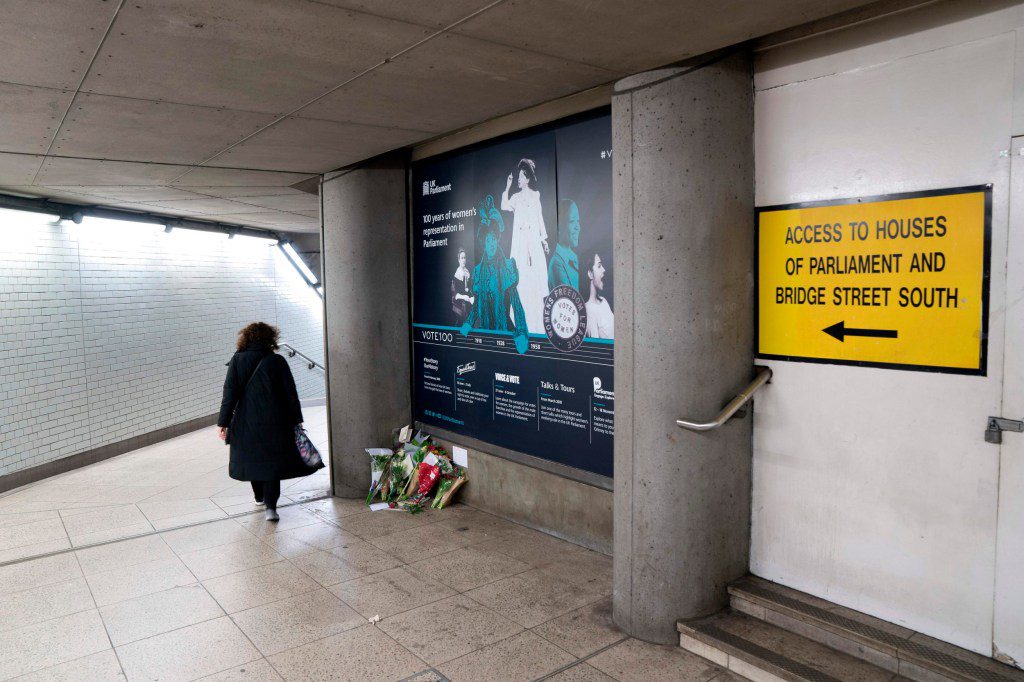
(307, 451)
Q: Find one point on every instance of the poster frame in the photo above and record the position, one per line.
(549, 466)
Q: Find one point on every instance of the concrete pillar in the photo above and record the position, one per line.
(684, 254)
(367, 314)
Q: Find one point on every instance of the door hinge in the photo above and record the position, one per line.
(996, 425)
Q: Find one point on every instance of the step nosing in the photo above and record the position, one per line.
(757, 655)
(940, 660)
(824, 616)
(905, 648)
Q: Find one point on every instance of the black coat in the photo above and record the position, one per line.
(261, 416)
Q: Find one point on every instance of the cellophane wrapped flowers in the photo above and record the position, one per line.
(406, 477)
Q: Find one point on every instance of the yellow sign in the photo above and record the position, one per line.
(896, 281)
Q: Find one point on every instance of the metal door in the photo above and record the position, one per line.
(1008, 621)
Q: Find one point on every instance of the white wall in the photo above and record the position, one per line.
(873, 488)
(110, 330)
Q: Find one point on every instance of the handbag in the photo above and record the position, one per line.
(307, 451)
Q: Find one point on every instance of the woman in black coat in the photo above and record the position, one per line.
(258, 416)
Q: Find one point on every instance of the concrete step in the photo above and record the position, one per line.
(763, 652)
(897, 649)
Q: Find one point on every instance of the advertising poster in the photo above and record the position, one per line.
(513, 300)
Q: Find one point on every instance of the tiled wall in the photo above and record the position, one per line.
(109, 330)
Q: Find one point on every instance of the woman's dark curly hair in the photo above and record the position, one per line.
(529, 169)
(258, 334)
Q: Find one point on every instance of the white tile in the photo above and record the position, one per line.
(142, 617)
(99, 667)
(119, 584)
(38, 604)
(123, 554)
(231, 558)
(187, 653)
(28, 574)
(51, 643)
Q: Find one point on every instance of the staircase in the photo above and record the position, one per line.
(772, 633)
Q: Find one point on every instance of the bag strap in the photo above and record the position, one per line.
(253, 375)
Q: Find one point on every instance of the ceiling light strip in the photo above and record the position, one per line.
(75, 212)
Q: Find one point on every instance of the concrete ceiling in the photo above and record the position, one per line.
(212, 110)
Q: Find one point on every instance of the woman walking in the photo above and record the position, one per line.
(258, 416)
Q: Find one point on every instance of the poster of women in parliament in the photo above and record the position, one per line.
(513, 301)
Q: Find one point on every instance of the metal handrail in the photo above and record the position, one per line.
(764, 374)
(310, 362)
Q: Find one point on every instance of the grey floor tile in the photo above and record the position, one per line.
(165, 485)
(529, 546)
(51, 643)
(337, 507)
(522, 657)
(636, 661)
(422, 542)
(205, 536)
(123, 554)
(18, 518)
(447, 629)
(105, 520)
(38, 604)
(345, 562)
(190, 491)
(119, 584)
(257, 586)
(390, 592)
(533, 597)
(152, 614)
(469, 568)
(190, 652)
(172, 522)
(589, 570)
(291, 517)
(34, 549)
(383, 522)
(297, 620)
(253, 671)
(287, 546)
(242, 507)
(580, 672)
(108, 534)
(477, 525)
(32, 533)
(583, 631)
(98, 667)
(75, 510)
(231, 558)
(319, 534)
(364, 654)
(155, 510)
(28, 574)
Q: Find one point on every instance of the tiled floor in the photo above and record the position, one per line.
(174, 483)
(332, 592)
(209, 590)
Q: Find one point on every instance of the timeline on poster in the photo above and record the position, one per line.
(513, 303)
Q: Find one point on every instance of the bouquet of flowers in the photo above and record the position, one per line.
(452, 478)
(405, 477)
(390, 472)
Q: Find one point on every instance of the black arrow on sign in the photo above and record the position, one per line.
(840, 331)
